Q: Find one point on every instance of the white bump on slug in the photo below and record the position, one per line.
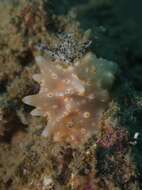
(67, 81)
(68, 91)
(54, 76)
(91, 96)
(50, 95)
(36, 112)
(68, 107)
(55, 106)
(86, 115)
(27, 100)
(39, 59)
(45, 132)
(36, 77)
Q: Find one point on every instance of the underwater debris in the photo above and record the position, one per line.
(32, 19)
(2, 122)
(111, 137)
(72, 98)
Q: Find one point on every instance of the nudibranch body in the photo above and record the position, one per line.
(72, 98)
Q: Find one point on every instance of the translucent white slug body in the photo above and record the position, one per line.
(72, 98)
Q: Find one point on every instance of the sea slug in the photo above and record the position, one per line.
(72, 97)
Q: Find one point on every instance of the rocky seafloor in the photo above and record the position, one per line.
(29, 161)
